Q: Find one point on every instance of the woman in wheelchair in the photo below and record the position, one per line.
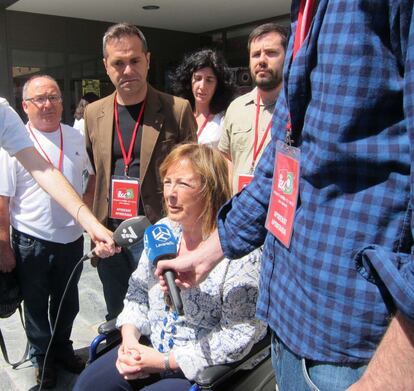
(219, 324)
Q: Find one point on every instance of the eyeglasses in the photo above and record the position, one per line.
(41, 100)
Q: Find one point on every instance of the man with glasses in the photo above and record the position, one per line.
(47, 242)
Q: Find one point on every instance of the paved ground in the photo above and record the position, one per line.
(92, 313)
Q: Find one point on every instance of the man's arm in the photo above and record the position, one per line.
(7, 259)
(391, 368)
(54, 183)
(225, 138)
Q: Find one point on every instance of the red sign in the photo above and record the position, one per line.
(283, 200)
(124, 198)
(243, 181)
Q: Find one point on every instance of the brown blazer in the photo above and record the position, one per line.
(168, 121)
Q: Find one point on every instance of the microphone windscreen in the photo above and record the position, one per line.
(159, 243)
(131, 231)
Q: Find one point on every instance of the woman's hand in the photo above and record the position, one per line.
(150, 360)
(138, 361)
(128, 361)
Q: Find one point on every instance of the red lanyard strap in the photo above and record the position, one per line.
(199, 131)
(256, 150)
(60, 163)
(127, 158)
(304, 21)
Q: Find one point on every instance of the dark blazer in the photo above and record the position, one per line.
(168, 121)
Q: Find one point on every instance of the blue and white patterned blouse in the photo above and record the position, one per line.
(219, 324)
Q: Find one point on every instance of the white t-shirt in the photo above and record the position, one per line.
(32, 210)
(80, 125)
(13, 135)
(212, 132)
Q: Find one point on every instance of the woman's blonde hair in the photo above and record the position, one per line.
(211, 166)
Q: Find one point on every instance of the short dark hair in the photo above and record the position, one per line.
(119, 30)
(266, 29)
(182, 77)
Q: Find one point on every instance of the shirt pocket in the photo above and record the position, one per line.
(242, 137)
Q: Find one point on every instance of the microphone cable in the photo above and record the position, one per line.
(129, 232)
(83, 259)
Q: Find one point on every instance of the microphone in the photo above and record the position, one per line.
(129, 232)
(160, 244)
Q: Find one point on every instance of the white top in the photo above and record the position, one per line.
(219, 325)
(212, 132)
(32, 210)
(13, 135)
(80, 125)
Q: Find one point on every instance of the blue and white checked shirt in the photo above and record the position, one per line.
(350, 93)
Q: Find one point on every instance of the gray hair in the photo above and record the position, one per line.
(119, 30)
(29, 81)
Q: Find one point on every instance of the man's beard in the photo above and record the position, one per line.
(268, 83)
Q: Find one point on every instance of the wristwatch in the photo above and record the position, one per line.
(167, 367)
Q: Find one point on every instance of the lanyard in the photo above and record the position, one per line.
(305, 17)
(256, 150)
(304, 21)
(44, 152)
(199, 131)
(127, 158)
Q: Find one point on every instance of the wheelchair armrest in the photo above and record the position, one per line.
(107, 327)
(212, 376)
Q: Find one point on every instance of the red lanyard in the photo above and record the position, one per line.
(256, 150)
(304, 21)
(199, 131)
(127, 159)
(44, 152)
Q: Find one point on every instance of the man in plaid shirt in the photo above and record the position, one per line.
(340, 298)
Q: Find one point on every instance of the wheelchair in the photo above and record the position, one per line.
(253, 373)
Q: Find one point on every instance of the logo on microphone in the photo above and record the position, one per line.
(129, 234)
(161, 234)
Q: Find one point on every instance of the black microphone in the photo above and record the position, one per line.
(129, 232)
(160, 244)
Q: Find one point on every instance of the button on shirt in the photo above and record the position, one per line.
(350, 93)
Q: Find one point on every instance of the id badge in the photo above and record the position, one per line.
(123, 200)
(285, 190)
(243, 181)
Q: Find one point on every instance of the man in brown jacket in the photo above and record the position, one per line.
(128, 135)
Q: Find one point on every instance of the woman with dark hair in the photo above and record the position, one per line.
(206, 81)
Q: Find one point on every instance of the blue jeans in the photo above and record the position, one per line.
(114, 273)
(294, 373)
(43, 269)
